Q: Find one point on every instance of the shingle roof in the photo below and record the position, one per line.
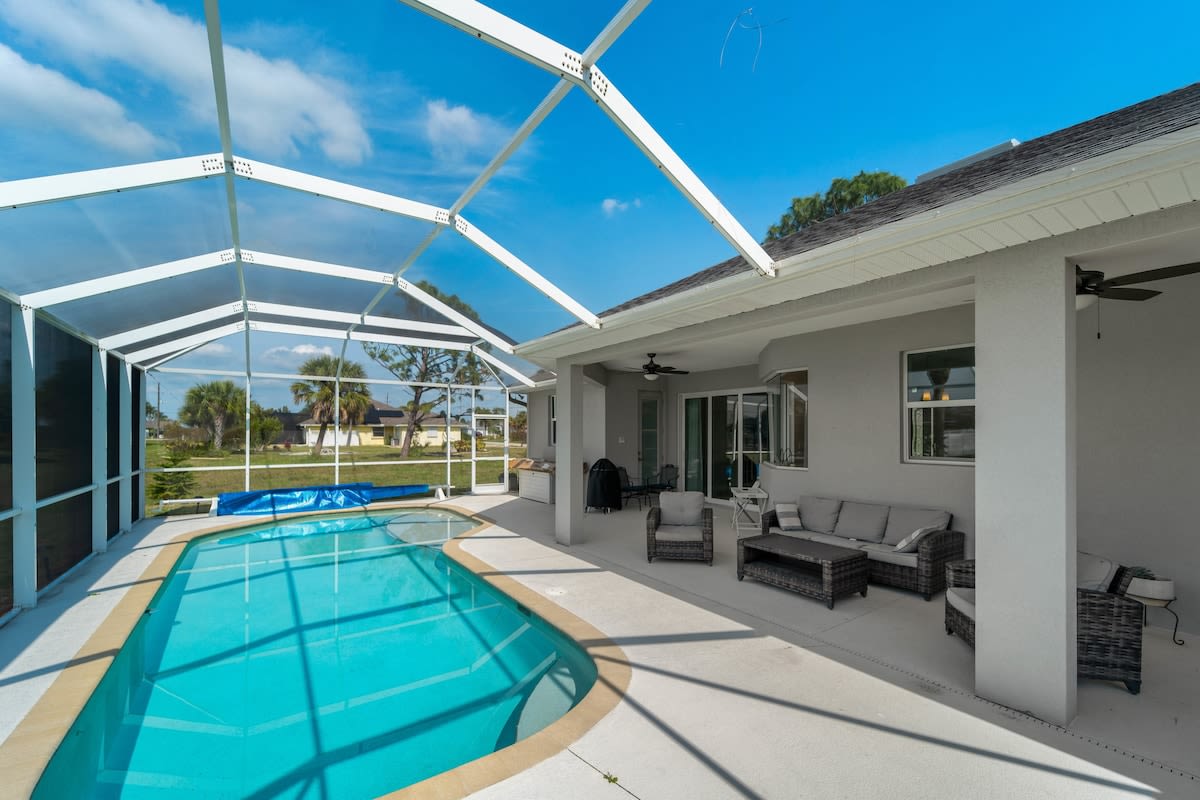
(1146, 120)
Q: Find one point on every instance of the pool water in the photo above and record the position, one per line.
(329, 658)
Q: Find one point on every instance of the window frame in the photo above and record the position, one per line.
(553, 420)
(769, 381)
(907, 405)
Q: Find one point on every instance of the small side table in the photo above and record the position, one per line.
(1157, 602)
(747, 509)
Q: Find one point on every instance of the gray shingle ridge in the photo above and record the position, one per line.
(1140, 122)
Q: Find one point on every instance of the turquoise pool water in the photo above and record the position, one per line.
(331, 658)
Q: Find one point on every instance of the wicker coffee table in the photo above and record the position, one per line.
(813, 569)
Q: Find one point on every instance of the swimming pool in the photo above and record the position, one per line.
(328, 658)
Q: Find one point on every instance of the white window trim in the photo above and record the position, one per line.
(906, 405)
(807, 454)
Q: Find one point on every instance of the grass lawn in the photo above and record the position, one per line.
(279, 474)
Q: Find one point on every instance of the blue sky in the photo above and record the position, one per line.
(380, 95)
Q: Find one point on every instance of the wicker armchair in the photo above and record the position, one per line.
(1109, 631)
(690, 542)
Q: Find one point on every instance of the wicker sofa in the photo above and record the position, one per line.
(1109, 632)
(680, 526)
(876, 530)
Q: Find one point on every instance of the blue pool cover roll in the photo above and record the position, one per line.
(310, 498)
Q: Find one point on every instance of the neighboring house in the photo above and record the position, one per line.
(936, 348)
(291, 432)
(385, 425)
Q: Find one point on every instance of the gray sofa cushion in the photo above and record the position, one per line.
(903, 520)
(788, 515)
(861, 521)
(681, 508)
(833, 539)
(910, 543)
(679, 533)
(963, 599)
(819, 513)
(1093, 572)
(877, 551)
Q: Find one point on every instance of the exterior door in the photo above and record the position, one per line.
(649, 413)
(726, 437)
(489, 442)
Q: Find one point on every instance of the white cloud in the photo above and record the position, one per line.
(456, 134)
(31, 94)
(612, 206)
(294, 355)
(213, 349)
(278, 107)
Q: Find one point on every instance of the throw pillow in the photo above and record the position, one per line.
(789, 516)
(909, 543)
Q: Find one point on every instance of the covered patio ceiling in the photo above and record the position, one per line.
(162, 310)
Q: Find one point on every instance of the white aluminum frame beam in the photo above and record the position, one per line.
(497, 251)
(527, 44)
(417, 293)
(124, 280)
(500, 365)
(301, 312)
(346, 192)
(323, 187)
(201, 338)
(119, 340)
(316, 267)
(332, 333)
(74, 185)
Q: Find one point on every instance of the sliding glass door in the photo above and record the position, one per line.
(726, 437)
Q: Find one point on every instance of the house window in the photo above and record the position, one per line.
(553, 420)
(790, 399)
(377, 431)
(939, 404)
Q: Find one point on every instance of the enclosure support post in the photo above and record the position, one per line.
(24, 477)
(99, 450)
(337, 426)
(446, 418)
(247, 411)
(125, 443)
(140, 455)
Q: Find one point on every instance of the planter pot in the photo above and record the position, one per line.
(1147, 587)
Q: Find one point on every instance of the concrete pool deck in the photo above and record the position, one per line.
(737, 689)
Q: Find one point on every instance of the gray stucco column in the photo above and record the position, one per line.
(568, 454)
(1025, 486)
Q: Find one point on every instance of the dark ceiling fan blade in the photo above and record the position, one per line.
(673, 371)
(1127, 294)
(1155, 275)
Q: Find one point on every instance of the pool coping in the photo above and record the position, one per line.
(26, 753)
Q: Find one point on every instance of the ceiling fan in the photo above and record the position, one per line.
(1090, 283)
(651, 370)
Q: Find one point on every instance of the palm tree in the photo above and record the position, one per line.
(212, 405)
(318, 397)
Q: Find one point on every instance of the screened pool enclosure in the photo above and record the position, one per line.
(117, 279)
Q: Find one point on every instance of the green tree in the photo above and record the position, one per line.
(173, 485)
(318, 397)
(213, 406)
(428, 365)
(843, 194)
(264, 426)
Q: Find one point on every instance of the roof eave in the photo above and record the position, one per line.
(837, 264)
